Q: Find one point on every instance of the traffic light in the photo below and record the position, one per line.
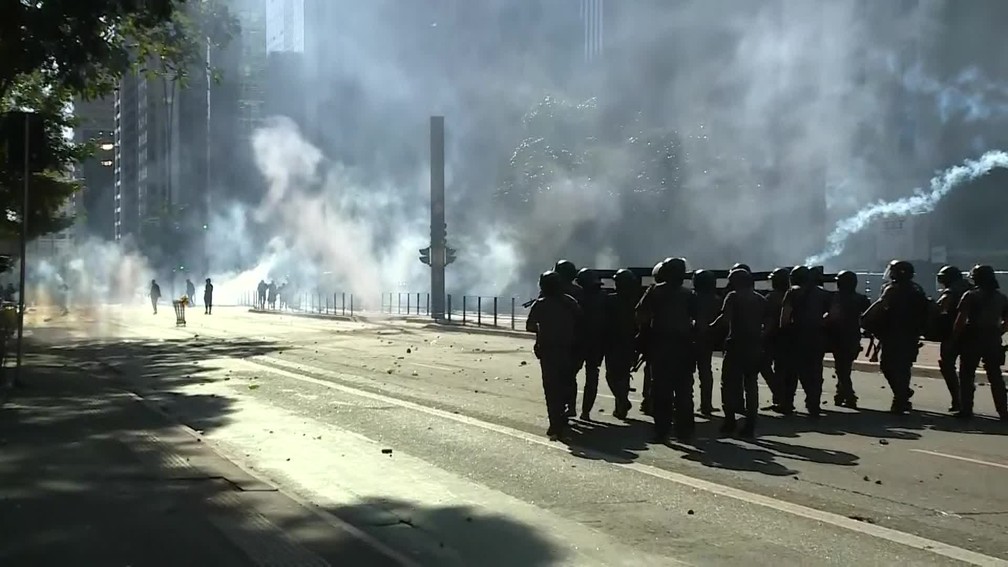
(449, 255)
(425, 255)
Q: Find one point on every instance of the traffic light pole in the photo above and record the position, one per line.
(437, 223)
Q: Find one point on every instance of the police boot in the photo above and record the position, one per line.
(748, 429)
(729, 424)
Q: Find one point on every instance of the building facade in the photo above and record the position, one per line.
(285, 25)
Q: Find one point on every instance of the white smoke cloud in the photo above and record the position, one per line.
(922, 201)
(332, 231)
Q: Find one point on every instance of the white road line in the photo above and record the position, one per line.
(895, 536)
(958, 458)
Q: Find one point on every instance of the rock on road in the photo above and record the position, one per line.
(432, 442)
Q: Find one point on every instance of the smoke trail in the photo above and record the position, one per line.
(920, 202)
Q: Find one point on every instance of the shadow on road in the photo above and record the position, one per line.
(75, 491)
(451, 535)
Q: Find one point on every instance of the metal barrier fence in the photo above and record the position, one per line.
(339, 303)
(479, 310)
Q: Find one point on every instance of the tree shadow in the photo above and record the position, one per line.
(156, 368)
(450, 535)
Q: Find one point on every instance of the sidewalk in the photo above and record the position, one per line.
(91, 475)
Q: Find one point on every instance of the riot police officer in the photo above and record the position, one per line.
(982, 319)
(898, 318)
(555, 318)
(775, 365)
(843, 325)
(805, 305)
(643, 339)
(568, 272)
(593, 306)
(744, 312)
(667, 311)
(621, 327)
(953, 286)
(708, 339)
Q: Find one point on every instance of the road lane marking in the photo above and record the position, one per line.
(958, 458)
(837, 520)
(433, 366)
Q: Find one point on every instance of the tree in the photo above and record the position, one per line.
(56, 50)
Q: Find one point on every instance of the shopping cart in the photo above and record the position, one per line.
(179, 305)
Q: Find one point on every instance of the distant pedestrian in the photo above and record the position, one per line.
(190, 290)
(155, 294)
(208, 297)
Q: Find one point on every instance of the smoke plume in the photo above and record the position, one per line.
(922, 201)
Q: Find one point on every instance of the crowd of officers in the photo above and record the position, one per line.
(783, 335)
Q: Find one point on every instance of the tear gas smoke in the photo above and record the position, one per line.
(334, 230)
(969, 96)
(920, 202)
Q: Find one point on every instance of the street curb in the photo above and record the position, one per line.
(920, 371)
(324, 316)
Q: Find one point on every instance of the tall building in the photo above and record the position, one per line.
(285, 25)
(95, 204)
(593, 18)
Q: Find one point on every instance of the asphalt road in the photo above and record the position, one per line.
(432, 442)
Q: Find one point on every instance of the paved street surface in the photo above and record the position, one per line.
(431, 441)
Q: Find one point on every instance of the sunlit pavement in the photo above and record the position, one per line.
(432, 442)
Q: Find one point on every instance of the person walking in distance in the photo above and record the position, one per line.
(208, 297)
(155, 294)
(982, 320)
(555, 318)
(190, 290)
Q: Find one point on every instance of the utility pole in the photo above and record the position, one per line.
(24, 246)
(437, 223)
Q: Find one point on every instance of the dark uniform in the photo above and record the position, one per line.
(555, 319)
(155, 294)
(744, 311)
(983, 318)
(708, 306)
(208, 297)
(944, 314)
(775, 365)
(843, 326)
(568, 273)
(621, 330)
(802, 313)
(643, 342)
(667, 311)
(897, 319)
(593, 307)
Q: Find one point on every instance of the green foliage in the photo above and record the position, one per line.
(54, 51)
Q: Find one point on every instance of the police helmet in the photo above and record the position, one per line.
(900, 271)
(704, 280)
(625, 280)
(740, 266)
(672, 270)
(740, 278)
(566, 269)
(780, 278)
(587, 278)
(846, 280)
(656, 272)
(799, 275)
(948, 275)
(550, 283)
(983, 277)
